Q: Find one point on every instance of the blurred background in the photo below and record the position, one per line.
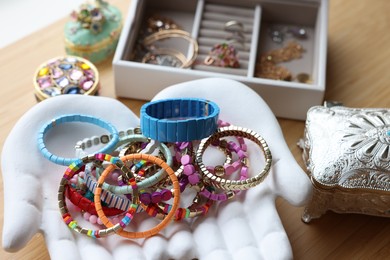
(19, 18)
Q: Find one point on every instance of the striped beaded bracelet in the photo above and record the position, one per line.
(111, 199)
(74, 168)
(75, 118)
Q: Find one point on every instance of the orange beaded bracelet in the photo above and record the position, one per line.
(132, 182)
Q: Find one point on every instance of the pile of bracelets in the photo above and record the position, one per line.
(148, 169)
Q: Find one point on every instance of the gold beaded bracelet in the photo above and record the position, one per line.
(225, 184)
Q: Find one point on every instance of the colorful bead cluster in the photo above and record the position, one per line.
(110, 190)
(155, 199)
(66, 75)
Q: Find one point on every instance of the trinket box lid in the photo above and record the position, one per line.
(94, 31)
(348, 147)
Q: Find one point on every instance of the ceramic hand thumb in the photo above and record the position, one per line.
(22, 200)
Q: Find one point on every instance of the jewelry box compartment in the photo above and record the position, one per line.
(286, 39)
(154, 16)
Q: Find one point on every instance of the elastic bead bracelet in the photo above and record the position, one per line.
(179, 120)
(88, 182)
(208, 191)
(103, 139)
(75, 118)
(188, 176)
(184, 157)
(184, 154)
(133, 183)
(127, 138)
(87, 205)
(155, 197)
(74, 168)
(226, 184)
(152, 195)
(160, 210)
(111, 199)
(146, 182)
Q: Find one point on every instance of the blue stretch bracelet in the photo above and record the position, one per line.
(179, 120)
(75, 118)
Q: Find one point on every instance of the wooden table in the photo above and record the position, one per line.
(358, 74)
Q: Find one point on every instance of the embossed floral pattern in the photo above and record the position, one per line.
(368, 137)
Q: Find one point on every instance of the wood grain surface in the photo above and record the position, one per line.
(358, 74)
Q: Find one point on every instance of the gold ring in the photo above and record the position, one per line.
(234, 26)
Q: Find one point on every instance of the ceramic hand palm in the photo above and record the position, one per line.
(247, 227)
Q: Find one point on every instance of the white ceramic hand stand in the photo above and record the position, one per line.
(246, 227)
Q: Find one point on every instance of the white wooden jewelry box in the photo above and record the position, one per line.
(288, 99)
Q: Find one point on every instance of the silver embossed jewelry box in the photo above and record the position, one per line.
(347, 154)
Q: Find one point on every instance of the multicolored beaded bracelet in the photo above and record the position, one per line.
(81, 197)
(85, 183)
(74, 168)
(74, 118)
(127, 139)
(198, 207)
(188, 176)
(87, 205)
(111, 199)
(153, 179)
(227, 184)
(132, 182)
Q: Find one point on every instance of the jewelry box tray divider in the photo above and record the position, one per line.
(250, 18)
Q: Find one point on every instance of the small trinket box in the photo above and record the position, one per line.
(94, 31)
(347, 154)
(65, 75)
